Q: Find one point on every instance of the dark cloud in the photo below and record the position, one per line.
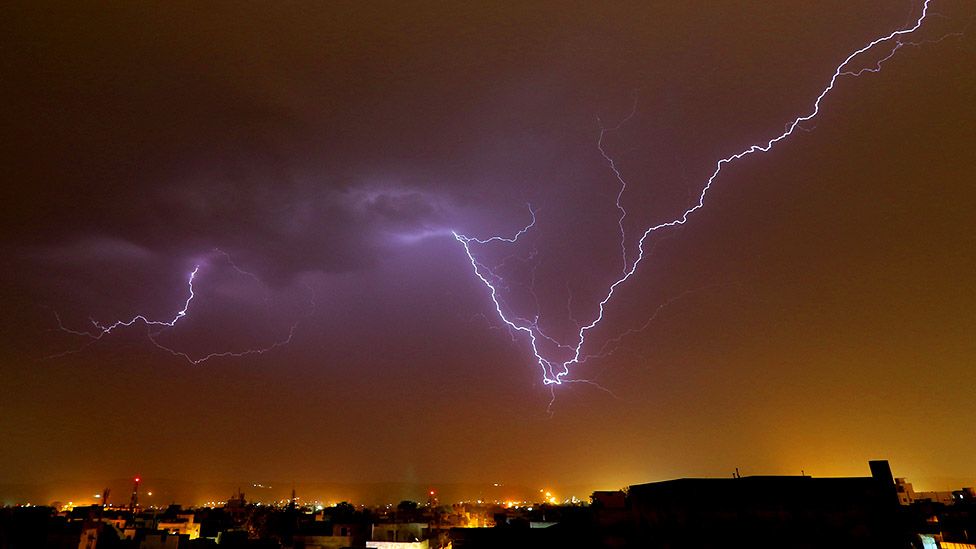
(95, 250)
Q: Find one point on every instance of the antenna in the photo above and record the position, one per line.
(134, 499)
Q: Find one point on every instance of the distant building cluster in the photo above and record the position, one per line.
(754, 511)
(907, 495)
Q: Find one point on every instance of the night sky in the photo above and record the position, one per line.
(816, 313)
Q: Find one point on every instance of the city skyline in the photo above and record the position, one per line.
(162, 492)
(282, 199)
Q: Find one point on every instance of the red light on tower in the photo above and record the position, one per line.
(134, 498)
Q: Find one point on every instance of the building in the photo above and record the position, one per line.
(400, 531)
(182, 524)
(935, 496)
(757, 511)
(905, 491)
(398, 544)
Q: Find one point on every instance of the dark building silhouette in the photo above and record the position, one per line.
(39, 527)
(758, 511)
(568, 535)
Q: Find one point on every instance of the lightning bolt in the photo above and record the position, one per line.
(156, 327)
(556, 372)
(612, 164)
(102, 330)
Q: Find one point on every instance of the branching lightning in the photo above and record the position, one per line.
(156, 327)
(612, 164)
(555, 371)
